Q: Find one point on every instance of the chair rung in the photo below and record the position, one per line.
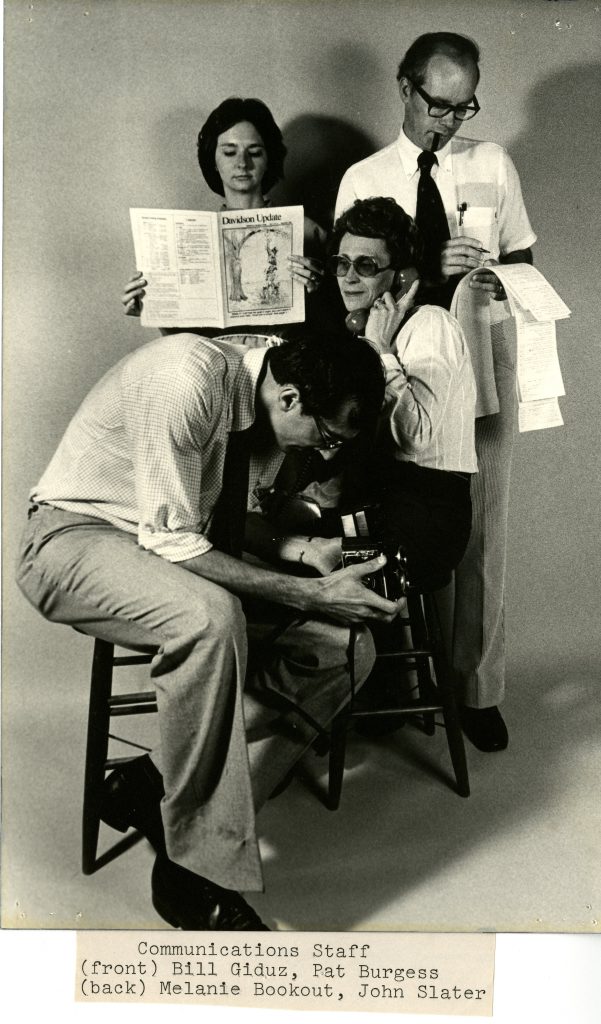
(413, 652)
(141, 703)
(133, 659)
(419, 709)
(134, 709)
(137, 697)
(116, 762)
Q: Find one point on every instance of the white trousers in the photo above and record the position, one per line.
(478, 589)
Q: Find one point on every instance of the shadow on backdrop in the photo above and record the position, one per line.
(321, 146)
(557, 158)
(399, 828)
(320, 149)
(558, 165)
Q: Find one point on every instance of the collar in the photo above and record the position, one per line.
(409, 152)
(244, 392)
(224, 208)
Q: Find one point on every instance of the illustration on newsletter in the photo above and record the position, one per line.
(257, 272)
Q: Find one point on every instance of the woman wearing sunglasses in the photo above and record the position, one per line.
(241, 155)
(426, 449)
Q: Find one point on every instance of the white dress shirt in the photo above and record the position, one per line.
(431, 393)
(480, 176)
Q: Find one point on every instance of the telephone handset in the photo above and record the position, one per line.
(356, 321)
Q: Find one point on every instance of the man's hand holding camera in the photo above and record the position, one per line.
(344, 597)
(342, 594)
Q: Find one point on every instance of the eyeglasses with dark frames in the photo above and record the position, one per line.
(328, 442)
(440, 108)
(364, 266)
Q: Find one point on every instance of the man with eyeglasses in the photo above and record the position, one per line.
(477, 182)
(135, 534)
(466, 198)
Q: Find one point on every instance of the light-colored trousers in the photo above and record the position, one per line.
(478, 589)
(223, 746)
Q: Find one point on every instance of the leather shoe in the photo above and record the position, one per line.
(189, 901)
(485, 728)
(131, 798)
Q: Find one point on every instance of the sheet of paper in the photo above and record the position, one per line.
(177, 252)
(538, 370)
(531, 291)
(538, 374)
(472, 310)
(258, 286)
(539, 415)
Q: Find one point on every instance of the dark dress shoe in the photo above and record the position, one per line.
(485, 728)
(189, 901)
(131, 798)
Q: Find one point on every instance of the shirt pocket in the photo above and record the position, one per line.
(477, 214)
(480, 222)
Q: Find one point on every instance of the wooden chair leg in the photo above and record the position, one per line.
(450, 713)
(454, 733)
(338, 733)
(96, 751)
(419, 637)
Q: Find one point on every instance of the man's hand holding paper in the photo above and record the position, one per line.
(460, 255)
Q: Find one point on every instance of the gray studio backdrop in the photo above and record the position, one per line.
(104, 100)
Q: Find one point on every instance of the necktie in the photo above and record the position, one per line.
(431, 220)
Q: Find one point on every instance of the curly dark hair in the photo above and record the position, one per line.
(460, 48)
(381, 217)
(225, 116)
(328, 369)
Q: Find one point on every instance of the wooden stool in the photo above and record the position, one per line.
(104, 706)
(433, 693)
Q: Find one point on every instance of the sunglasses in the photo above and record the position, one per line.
(364, 266)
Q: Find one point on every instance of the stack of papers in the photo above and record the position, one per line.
(535, 307)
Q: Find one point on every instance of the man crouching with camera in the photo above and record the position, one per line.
(134, 535)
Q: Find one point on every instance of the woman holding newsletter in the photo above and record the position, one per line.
(430, 389)
(241, 155)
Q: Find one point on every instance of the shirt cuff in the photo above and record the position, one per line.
(524, 243)
(174, 547)
(391, 363)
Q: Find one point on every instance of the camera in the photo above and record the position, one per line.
(391, 581)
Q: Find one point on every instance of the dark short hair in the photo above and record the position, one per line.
(459, 48)
(329, 368)
(381, 217)
(232, 111)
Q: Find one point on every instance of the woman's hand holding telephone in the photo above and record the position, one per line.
(383, 320)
